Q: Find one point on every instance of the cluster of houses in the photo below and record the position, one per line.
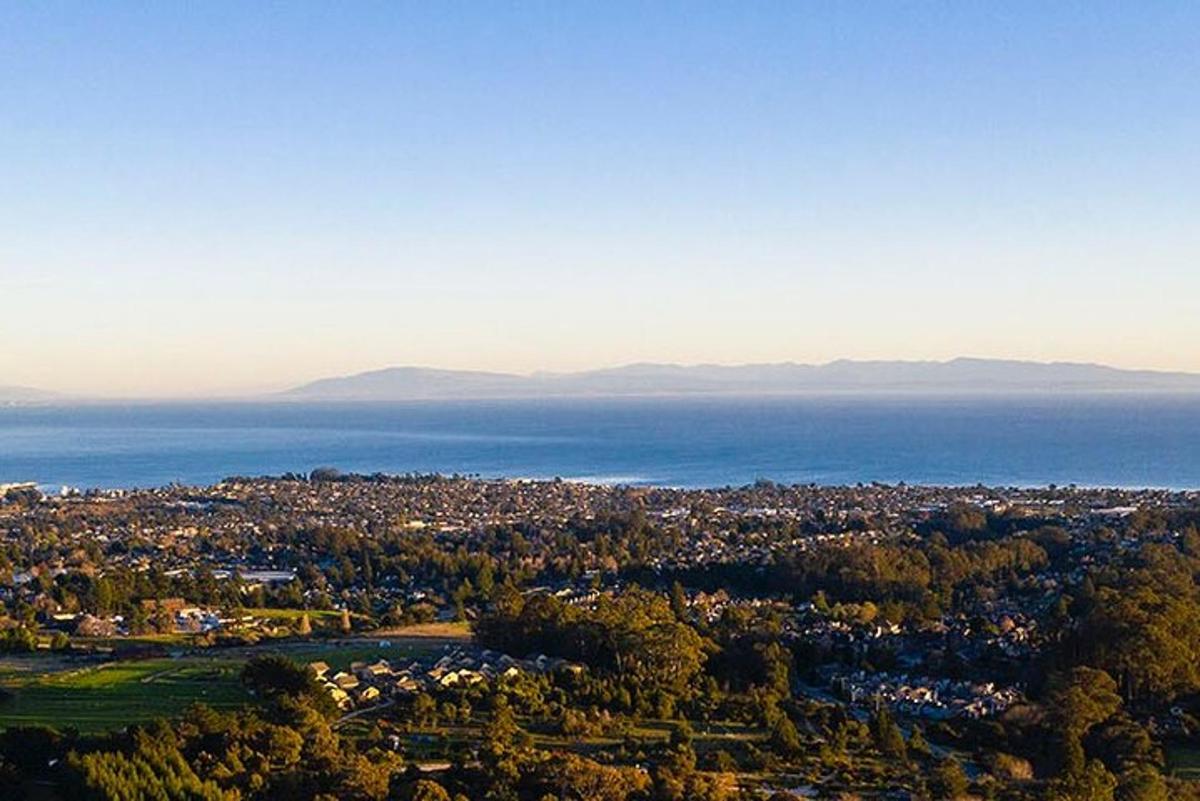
(935, 699)
(366, 683)
(170, 615)
(184, 618)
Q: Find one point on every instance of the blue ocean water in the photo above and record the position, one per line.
(1127, 441)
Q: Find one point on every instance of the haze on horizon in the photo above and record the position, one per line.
(230, 198)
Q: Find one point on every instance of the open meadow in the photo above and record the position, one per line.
(112, 695)
(51, 690)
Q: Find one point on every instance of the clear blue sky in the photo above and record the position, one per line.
(211, 197)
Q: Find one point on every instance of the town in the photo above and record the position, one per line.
(874, 640)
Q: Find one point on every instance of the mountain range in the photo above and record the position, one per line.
(962, 375)
(957, 376)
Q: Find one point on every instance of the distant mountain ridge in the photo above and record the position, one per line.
(961, 375)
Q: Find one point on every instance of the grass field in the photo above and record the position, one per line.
(114, 695)
(428, 631)
(50, 690)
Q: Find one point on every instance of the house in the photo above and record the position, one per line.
(374, 670)
(405, 683)
(344, 680)
(339, 696)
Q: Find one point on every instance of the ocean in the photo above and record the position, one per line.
(1113, 440)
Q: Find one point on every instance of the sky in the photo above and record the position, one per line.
(224, 198)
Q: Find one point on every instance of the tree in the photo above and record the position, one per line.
(154, 769)
(1147, 638)
(304, 627)
(281, 745)
(1142, 783)
(1093, 783)
(784, 737)
(820, 603)
(424, 710)
(424, 790)
(275, 677)
(273, 674)
(501, 753)
(679, 604)
(948, 781)
(634, 636)
(1077, 702)
(461, 595)
(18, 639)
(887, 735)
(370, 779)
(574, 778)
(917, 744)
(1083, 698)
(1122, 742)
(777, 668)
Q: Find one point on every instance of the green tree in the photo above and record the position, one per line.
(679, 604)
(153, 770)
(274, 677)
(785, 739)
(424, 790)
(948, 781)
(918, 745)
(1077, 702)
(502, 753)
(887, 735)
(1093, 783)
(567, 776)
(1146, 637)
(1142, 783)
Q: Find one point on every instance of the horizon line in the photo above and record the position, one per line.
(52, 397)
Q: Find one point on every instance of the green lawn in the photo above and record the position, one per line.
(110, 696)
(114, 695)
(1184, 762)
(166, 640)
